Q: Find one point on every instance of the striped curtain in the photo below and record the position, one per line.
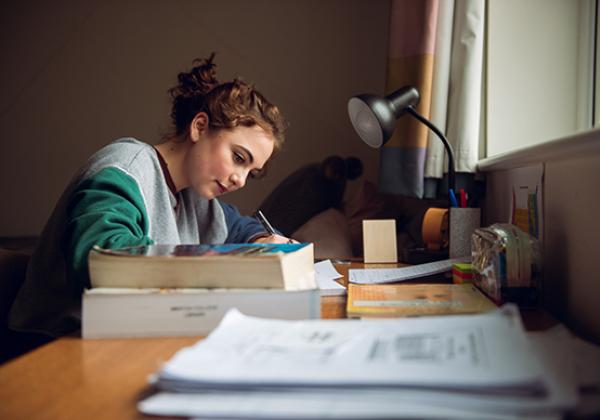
(436, 46)
(410, 62)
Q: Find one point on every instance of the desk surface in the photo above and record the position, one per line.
(75, 378)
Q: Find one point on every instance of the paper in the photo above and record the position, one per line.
(527, 199)
(487, 352)
(391, 275)
(325, 275)
(213, 376)
(306, 405)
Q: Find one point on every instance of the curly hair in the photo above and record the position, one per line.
(227, 105)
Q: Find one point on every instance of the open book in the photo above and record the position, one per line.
(281, 266)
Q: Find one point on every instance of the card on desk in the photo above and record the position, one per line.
(398, 300)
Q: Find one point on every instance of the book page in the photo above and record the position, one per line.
(197, 250)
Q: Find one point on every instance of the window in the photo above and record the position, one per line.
(540, 71)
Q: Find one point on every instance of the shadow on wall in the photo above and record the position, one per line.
(310, 190)
(337, 231)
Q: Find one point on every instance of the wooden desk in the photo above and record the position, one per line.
(71, 378)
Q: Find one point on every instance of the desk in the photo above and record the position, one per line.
(81, 379)
(71, 378)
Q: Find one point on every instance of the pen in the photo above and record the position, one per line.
(263, 221)
(463, 198)
(453, 201)
(268, 227)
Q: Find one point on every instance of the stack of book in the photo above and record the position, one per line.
(173, 290)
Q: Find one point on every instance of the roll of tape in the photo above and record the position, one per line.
(435, 229)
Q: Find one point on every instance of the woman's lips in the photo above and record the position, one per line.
(222, 189)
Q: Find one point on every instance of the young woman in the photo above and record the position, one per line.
(130, 193)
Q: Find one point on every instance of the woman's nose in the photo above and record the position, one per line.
(238, 179)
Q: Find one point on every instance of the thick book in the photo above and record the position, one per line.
(121, 312)
(398, 300)
(246, 266)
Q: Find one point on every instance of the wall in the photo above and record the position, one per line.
(78, 74)
(571, 279)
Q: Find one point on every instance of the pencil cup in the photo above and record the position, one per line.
(463, 222)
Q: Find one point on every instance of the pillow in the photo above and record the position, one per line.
(329, 232)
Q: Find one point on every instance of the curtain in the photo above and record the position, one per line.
(436, 46)
(458, 85)
(410, 62)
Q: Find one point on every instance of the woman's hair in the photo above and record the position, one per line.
(227, 105)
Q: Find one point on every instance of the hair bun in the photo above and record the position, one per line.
(354, 167)
(200, 80)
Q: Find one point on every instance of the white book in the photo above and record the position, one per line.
(123, 312)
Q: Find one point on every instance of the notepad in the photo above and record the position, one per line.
(398, 300)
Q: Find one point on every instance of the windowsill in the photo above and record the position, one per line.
(581, 144)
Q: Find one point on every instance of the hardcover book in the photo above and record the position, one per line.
(247, 266)
(398, 300)
(122, 312)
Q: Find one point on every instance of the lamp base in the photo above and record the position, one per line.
(422, 255)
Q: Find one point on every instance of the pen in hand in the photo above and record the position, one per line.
(263, 221)
(268, 227)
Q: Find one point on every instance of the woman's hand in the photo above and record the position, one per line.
(275, 239)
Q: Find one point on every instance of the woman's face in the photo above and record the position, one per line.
(220, 161)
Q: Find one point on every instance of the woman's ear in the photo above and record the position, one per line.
(198, 126)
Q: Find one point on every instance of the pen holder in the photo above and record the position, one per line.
(463, 222)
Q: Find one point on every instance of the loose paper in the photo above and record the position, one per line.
(392, 275)
(325, 275)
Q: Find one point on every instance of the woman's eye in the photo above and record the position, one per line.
(238, 158)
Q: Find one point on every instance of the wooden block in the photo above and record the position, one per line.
(379, 241)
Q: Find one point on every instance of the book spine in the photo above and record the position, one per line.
(113, 315)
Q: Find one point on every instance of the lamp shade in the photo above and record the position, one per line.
(374, 117)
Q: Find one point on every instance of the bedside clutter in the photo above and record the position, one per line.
(338, 233)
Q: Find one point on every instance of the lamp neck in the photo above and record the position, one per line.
(451, 172)
(403, 98)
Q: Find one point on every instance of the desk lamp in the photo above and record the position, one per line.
(374, 119)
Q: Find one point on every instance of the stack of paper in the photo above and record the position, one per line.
(476, 366)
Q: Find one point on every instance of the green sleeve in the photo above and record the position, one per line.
(107, 210)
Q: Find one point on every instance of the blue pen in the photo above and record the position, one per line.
(453, 200)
